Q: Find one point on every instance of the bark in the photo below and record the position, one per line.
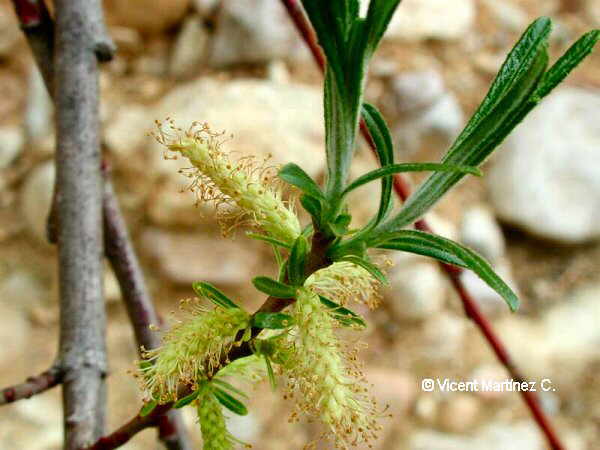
(79, 218)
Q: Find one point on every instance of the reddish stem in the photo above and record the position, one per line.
(32, 386)
(402, 189)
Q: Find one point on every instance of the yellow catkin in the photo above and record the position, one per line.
(250, 186)
(212, 422)
(345, 282)
(324, 377)
(190, 350)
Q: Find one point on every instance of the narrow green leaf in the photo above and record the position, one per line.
(378, 18)
(270, 373)
(567, 62)
(409, 167)
(340, 225)
(272, 321)
(269, 239)
(505, 105)
(382, 139)
(418, 246)
(312, 206)
(368, 266)
(230, 402)
(225, 385)
(273, 288)
(297, 261)
(343, 315)
(207, 290)
(148, 408)
(467, 257)
(186, 400)
(293, 174)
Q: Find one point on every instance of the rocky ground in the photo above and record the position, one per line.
(241, 67)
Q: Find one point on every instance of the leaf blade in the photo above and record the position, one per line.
(203, 289)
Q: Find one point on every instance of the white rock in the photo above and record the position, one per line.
(443, 336)
(253, 31)
(13, 331)
(39, 108)
(11, 145)
(566, 336)
(509, 15)
(416, 291)
(417, 89)
(459, 413)
(496, 436)
(23, 289)
(437, 19)
(593, 11)
(124, 132)
(184, 258)
(9, 30)
(545, 178)
(190, 48)
(204, 7)
(480, 231)
(36, 199)
(424, 108)
(265, 118)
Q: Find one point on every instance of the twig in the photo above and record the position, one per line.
(137, 300)
(82, 351)
(472, 310)
(38, 28)
(32, 386)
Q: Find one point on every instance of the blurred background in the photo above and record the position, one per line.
(239, 65)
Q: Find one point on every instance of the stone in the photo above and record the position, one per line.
(9, 31)
(423, 108)
(184, 258)
(39, 108)
(510, 16)
(459, 413)
(565, 336)
(13, 332)
(444, 336)
(205, 7)
(496, 436)
(592, 9)
(124, 133)
(254, 31)
(146, 16)
(189, 49)
(432, 19)
(265, 118)
(480, 231)
(392, 387)
(11, 145)
(544, 178)
(417, 290)
(36, 199)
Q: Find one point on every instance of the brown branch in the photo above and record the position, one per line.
(38, 28)
(472, 310)
(137, 300)
(82, 351)
(32, 386)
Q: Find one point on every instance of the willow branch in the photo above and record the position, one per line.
(32, 386)
(38, 28)
(472, 310)
(138, 302)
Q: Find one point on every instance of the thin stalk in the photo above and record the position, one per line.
(32, 386)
